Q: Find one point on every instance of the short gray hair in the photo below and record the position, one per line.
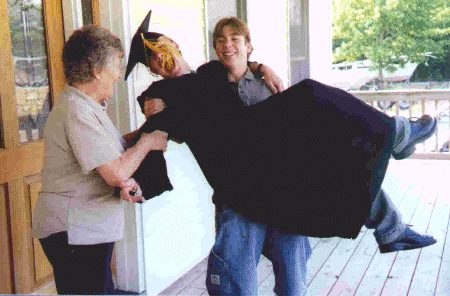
(89, 48)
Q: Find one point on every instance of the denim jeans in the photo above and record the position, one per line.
(384, 215)
(233, 261)
(402, 133)
(385, 219)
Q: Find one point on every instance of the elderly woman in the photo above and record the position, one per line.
(78, 217)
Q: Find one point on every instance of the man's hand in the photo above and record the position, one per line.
(158, 140)
(271, 79)
(131, 192)
(153, 106)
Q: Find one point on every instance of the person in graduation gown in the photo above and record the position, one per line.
(336, 152)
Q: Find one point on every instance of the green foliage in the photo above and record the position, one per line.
(390, 32)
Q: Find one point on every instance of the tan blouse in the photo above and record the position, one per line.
(79, 137)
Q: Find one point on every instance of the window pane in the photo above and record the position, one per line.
(30, 67)
(86, 6)
(298, 36)
(218, 9)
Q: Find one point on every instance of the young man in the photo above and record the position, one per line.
(233, 261)
(231, 40)
(211, 164)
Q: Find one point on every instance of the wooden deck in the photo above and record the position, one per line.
(421, 191)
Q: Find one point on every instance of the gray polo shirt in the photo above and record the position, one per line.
(251, 89)
(79, 137)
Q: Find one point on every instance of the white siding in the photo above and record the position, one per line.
(320, 40)
(268, 24)
(178, 226)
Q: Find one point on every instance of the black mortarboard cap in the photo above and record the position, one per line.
(137, 52)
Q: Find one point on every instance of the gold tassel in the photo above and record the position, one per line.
(167, 50)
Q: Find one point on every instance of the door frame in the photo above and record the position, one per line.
(22, 157)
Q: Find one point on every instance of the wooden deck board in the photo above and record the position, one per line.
(356, 267)
(330, 272)
(421, 191)
(426, 272)
(441, 234)
(321, 253)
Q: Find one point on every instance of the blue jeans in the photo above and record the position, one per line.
(384, 216)
(385, 219)
(233, 261)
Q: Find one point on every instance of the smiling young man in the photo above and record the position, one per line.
(233, 261)
(239, 244)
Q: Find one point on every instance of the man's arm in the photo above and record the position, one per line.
(153, 106)
(270, 78)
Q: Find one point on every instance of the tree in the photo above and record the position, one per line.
(390, 33)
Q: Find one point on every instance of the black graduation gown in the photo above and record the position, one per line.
(306, 161)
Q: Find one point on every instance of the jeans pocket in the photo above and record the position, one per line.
(218, 278)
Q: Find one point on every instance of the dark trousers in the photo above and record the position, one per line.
(79, 269)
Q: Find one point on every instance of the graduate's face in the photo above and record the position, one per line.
(232, 49)
(156, 61)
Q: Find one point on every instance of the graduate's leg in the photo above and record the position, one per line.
(391, 233)
(385, 219)
(407, 132)
(235, 255)
(309, 94)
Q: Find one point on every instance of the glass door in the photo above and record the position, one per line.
(31, 80)
(30, 63)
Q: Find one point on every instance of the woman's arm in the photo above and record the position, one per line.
(119, 170)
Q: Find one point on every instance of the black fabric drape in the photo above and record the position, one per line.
(306, 161)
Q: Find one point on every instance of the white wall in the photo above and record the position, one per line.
(178, 226)
(320, 40)
(268, 24)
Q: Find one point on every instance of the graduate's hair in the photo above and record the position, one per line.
(236, 24)
(89, 48)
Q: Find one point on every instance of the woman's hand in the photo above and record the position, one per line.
(157, 139)
(122, 168)
(130, 191)
(271, 79)
(153, 106)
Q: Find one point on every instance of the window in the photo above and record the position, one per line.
(298, 44)
(218, 9)
(30, 68)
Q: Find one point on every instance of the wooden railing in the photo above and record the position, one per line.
(433, 102)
